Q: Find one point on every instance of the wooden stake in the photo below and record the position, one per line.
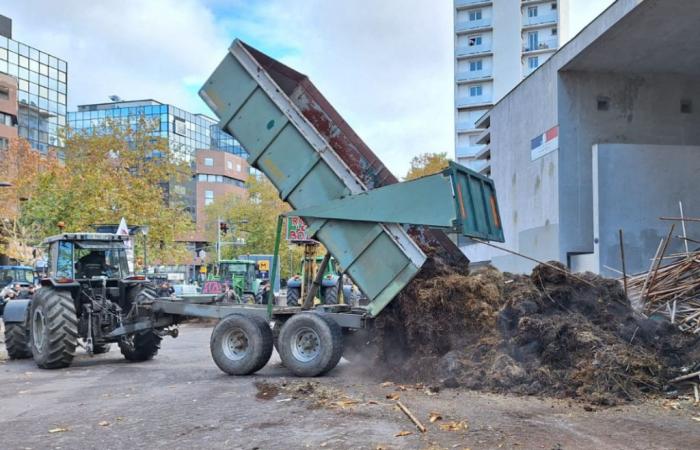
(410, 415)
(622, 255)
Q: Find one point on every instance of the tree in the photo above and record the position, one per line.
(20, 167)
(427, 164)
(116, 171)
(253, 218)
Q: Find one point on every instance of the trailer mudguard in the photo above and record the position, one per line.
(16, 311)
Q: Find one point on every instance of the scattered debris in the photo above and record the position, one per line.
(403, 433)
(266, 391)
(434, 417)
(462, 425)
(58, 430)
(104, 423)
(413, 418)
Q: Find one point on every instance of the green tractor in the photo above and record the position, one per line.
(241, 276)
(299, 284)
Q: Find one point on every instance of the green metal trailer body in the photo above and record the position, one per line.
(360, 226)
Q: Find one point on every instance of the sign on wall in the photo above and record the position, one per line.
(544, 143)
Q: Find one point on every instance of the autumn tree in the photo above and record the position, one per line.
(253, 219)
(20, 167)
(113, 172)
(427, 164)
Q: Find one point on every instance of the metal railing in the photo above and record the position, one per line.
(467, 100)
(466, 75)
(463, 3)
(463, 50)
(466, 25)
(540, 19)
(541, 45)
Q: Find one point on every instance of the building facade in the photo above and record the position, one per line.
(497, 44)
(614, 144)
(8, 110)
(42, 89)
(218, 175)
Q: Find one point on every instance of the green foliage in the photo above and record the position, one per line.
(116, 171)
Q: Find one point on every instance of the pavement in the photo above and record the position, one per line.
(181, 400)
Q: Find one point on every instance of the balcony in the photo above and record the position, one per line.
(542, 46)
(466, 101)
(476, 75)
(467, 151)
(544, 19)
(462, 126)
(464, 26)
(460, 4)
(472, 50)
(479, 165)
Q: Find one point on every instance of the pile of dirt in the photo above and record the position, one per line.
(550, 333)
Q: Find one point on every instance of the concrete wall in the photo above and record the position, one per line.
(641, 110)
(634, 186)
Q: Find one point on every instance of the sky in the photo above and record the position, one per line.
(387, 66)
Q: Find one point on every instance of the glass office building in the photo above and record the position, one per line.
(186, 132)
(42, 91)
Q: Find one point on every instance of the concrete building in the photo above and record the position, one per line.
(497, 43)
(603, 136)
(42, 89)
(8, 110)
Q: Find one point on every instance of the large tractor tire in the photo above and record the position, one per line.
(293, 296)
(54, 328)
(241, 345)
(330, 295)
(139, 293)
(17, 341)
(141, 347)
(310, 344)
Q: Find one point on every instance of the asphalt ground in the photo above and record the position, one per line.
(181, 400)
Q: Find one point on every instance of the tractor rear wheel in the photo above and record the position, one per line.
(241, 345)
(310, 344)
(54, 328)
(141, 347)
(293, 296)
(330, 295)
(17, 341)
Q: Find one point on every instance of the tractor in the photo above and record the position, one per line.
(241, 275)
(16, 282)
(299, 284)
(89, 296)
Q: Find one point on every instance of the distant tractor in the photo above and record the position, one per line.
(241, 274)
(16, 282)
(300, 283)
(89, 295)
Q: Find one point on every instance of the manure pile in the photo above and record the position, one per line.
(546, 334)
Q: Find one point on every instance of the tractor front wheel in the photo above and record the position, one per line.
(54, 328)
(141, 347)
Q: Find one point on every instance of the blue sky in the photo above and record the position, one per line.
(387, 66)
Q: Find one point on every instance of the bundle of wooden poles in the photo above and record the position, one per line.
(671, 286)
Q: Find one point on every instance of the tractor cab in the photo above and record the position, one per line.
(13, 275)
(241, 274)
(87, 256)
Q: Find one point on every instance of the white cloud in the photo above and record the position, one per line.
(386, 66)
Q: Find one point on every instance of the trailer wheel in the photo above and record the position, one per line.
(310, 344)
(17, 341)
(293, 296)
(54, 328)
(241, 345)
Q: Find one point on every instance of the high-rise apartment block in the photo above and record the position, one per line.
(497, 44)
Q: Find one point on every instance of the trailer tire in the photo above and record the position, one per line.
(293, 296)
(310, 344)
(240, 344)
(54, 328)
(17, 341)
(143, 346)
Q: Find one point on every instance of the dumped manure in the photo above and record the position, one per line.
(550, 333)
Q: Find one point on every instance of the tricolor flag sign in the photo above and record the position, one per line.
(544, 143)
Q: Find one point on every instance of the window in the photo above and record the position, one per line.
(229, 165)
(474, 15)
(4, 93)
(532, 11)
(209, 162)
(238, 167)
(474, 41)
(533, 62)
(533, 40)
(476, 66)
(208, 197)
(4, 142)
(554, 6)
(475, 91)
(554, 31)
(8, 120)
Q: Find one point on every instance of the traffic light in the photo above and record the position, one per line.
(223, 227)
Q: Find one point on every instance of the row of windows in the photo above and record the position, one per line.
(229, 164)
(206, 178)
(533, 11)
(8, 120)
(32, 54)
